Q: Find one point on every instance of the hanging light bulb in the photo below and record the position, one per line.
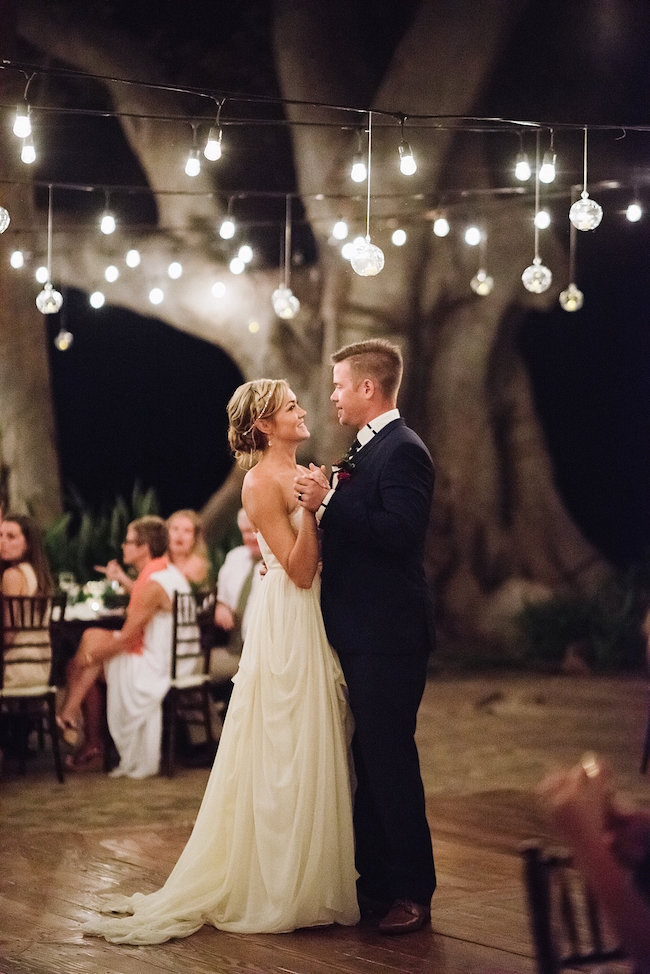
(441, 226)
(132, 258)
(49, 301)
(5, 219)
(536, 277)
(543, 219)
(23, 122)
(193, 164)
(111, 273)
(572, 299)
(285, 304)
(473, 236)
(227, 229)
(399, 238)
(482, 283)
(245, 253)
(107, 223)
(96, 300)
(28, 152)
(522, 167)
(63, 340)
(547, 172)
(212, 149)
(175, 270)
(17, 259)
(340, 230)
(407, 164)
(156, 295)
(367, 260)
(358, 172)
(237, 266)
(585, 214)
(634, 213)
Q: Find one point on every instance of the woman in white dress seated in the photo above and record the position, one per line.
(272, 846)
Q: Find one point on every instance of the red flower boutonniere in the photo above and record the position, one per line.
(343, 469)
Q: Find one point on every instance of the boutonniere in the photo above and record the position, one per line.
(343, 469)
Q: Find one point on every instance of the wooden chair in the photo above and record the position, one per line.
(566, 927)
(188, 694)
(25, 649)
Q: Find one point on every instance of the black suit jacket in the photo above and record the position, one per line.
(374, 595)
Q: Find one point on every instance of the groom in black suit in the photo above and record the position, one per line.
(378, 617)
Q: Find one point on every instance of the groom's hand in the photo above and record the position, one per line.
(310, 488)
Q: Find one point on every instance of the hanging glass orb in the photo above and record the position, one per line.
(367, 260)
(5, 219)
(64, 340)
(585, 214)
(49, 301)
(285, 304)
(572, 299)
(536, 277)
(482, 283)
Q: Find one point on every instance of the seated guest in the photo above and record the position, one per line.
(24, 571)
(187, 552)
(135, 662)
(237, 585)
(611, 847)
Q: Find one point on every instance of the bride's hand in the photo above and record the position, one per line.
(308, 491)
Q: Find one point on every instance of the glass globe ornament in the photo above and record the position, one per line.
(537, 278)
(585, 214)
(482, 283)
(572, 299)
(64, 340)
(5, 219)
(49, 301)
(285, 304)
(367, 259)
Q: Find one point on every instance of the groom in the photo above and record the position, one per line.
(378, 618)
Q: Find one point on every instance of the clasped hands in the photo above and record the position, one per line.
(310, 487)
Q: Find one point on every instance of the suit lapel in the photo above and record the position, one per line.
(372, 445)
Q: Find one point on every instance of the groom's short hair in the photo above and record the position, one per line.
(376, 359)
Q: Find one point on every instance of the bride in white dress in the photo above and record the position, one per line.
(272, 848)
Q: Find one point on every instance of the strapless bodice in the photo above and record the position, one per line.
(270, 560)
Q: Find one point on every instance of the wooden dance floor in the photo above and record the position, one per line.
(485, 742)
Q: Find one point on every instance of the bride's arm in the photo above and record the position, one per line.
(266, 506)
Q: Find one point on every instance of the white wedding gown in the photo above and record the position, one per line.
(272, 847)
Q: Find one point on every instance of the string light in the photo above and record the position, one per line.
(41, 274)
(111, 273)
(28, 152)
(107, 223)
(340, 230)
(17, 259)
(23, 122)
(473, 236)
(441, 226)
(634, 212)
(536, 277)
(96, 300)
(358, 172)
(585, 214)
(193, 164)
(572, 298)
(237, 266)
(227, 229)
(399, 238)
(212, 150)
(132, 258)
(175, 270)
(156, 295)
(63, 340)
(547, 172)
(522, 165)
(482, 283)
(285, 304)
(49, 300)
(368, 259)
(407, 164)
(543, 219)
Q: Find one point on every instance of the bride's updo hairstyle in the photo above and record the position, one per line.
(260, 399)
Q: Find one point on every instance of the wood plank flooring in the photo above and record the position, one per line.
(485, 742)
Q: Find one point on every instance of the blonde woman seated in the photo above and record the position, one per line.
(186, 551)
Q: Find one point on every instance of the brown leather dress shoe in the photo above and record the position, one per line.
(405, 917)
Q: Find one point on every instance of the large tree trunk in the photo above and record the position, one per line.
(500, 532)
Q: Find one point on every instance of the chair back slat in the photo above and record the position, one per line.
(187, 652)
(26, 653)
(565, 921)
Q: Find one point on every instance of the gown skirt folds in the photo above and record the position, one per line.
(272, 848)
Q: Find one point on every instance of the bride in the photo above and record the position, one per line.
(272, 846)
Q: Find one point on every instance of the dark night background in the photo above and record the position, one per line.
(138, 400)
